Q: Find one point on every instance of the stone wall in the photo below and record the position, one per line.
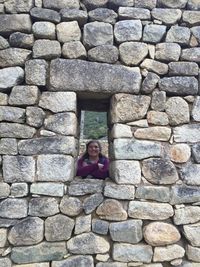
(141, 56)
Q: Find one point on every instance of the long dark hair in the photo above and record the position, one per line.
(86, 155)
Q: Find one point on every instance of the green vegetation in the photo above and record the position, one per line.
(95, 125)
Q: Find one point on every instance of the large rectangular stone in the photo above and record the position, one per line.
(79, 75)
(15, 22)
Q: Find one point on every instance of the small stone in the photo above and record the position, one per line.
(123, 192)
(160, 194)
(150, 4)
(88, 243)
(3, 43)
(139, 123)
(193, 253)
(35, 116)
(186, 215)
(3, 239)
(149, 211)
(3, 99)
(4, 190)
(80, 187)
(159, 133)
(24, 95)
(132, 53)
(191, 54)
(196, 32)
(73, 261)
(72, 14)
(191, 17)
(93, 4)
(103, 53)
(192, 233)
(97, 33)
(5, 262)
(167, 16)
(21, 40)
(103, 258)
(29, 231)
(19, 190)
(45, 14)
(43, 206)
(158, 100)
(53, 168)
(196, 109)
(154, 66)
(128, 232)
(111, 210)
(18, 7)
(168, 253)
(100, 226)
(68, 31)
(153, 33)
(168, 51)
(83, 224)
(196, 152)
(178, 34)
(121, 130)
(12, 114)
(12, 208)
(92, 202)
(11, 57)
(180, 153)
(48, 189)
(115, 4)
(10, 77)
(70, 206)
(184, 194)
(128, 30)
(193, 5)
(47, 49)
(103, 15)
(36, 72)
(183, 68)
(157, 118)
(58, 228)
(74, 49)
(133, 13)
(190, 174)
(59, 4)
(160, 233)
(150, 82)
(187, 133)
(44, 30)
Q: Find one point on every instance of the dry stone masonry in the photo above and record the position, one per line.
(142, 57)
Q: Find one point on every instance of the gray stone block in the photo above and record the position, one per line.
(73, 14)
(45, 14)
(46, 49)
(59, 4)
(11, 57)
(103, 15)
(103, 53)
(21, 40)
(43, 206)
(10, 77)
(13, 208)
(22, 95)
(75, 261)
(12, 114)
(154, 33)
(100, 226)
(134, 13)
(128, 30)
(13, 23)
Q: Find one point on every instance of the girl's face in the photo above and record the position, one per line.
(93, 149)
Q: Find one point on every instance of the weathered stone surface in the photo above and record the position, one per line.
(45, 14)
(21, 40)
(186, 215)
(18, 6)
(19, 190)
(129, 231)
(49, 189)
(12, 208)
(168, 253)
(53, 168)
(191, 54)
(159, 133)
(44, 264)
(153, 33)
(58, 101)
(58, 228)
(133, 13)
(74, 261)
(121, 130)
(179, 85)
(29, 231)
(187, 133)
(122, 171)
(74, 14)
(150, 4)
(7, 222)
(5, 262)
(11, 57)
(196, 152)
(193, 253)
(14, 23)
(192, 233)
(196, 109)
(10, 77)
(24, 95)
(196, 32)
(150, 82)
(3, 99)
(128, 30)
(155, 66)
(3, 43)
(157, 118)
(184, 194)
(180, 153)
(168, 51)
(111, 210)
(103, 15)
(44, 30)
(43, 206)
(3, 239)
(167, 16)
(190, 174)
(34, 116)
(100, 226)
(80, 187)
(134, 149)
(97, 33)
(160, 233)
(16, 130)
(132, 253)
(103, 53)
(59, 4)
(71, 206)
(47, 49)
(4, 190)
(172, 4)
(159, 171)
(193, 4)
(189, 264)
(62, 123)
(92, 4)
(83, 224)
(132, 53)
(191, 17)
(88, 243)
(45, 251)
(12, 114)
(36, 72)
(18, 169)
(160, 194)
(74, 49)
(158, 100)
(114, 4)
(178, 34)
(149, 211)
(92, 202)
(96, 77)
(183, 68)
(112, 190)
(126, 108)
(68, 31)
(111, 264)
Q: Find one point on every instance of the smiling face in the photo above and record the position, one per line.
(93, 150)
